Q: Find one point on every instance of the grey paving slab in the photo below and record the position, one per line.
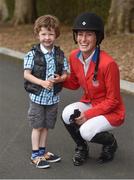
(15, 144)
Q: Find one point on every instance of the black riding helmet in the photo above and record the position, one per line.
(89, 21)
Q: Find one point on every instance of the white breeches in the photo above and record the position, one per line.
(92, 126)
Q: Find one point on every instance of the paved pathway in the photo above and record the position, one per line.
(15, 144)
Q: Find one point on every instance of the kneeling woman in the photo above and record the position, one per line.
(101, 106)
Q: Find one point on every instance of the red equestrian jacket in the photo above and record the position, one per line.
(104, 93)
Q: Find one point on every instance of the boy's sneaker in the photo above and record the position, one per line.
(50, 157)
(40, 162)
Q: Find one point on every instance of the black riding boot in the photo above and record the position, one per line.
(109, 146)
(81, 154)
(81, 151)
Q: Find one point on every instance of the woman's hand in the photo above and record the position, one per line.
(81, 119)
(59, 78)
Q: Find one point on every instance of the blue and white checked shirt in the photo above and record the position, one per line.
(46, 97)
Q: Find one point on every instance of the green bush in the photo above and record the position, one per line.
(67, 10)
(10, 6)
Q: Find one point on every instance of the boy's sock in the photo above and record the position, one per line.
(42, 151)
(35, 153)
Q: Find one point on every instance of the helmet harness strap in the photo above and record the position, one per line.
(97, 64)
(74, 37)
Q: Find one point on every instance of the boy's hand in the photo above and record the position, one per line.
(46, 84)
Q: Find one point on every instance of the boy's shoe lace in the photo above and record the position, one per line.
(40, 162)
(50, 157)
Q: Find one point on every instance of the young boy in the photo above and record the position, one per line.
(45, 68)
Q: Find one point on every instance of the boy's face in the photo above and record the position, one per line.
(47, 37)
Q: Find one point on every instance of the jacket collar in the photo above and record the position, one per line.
(44, 50)
(94, 57)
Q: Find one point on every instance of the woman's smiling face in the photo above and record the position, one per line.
(86, 41)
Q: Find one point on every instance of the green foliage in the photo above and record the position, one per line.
(10, 6)
(100, 7)
(67, 10)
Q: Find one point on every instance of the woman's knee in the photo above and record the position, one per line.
(86, 134)
(67, 112)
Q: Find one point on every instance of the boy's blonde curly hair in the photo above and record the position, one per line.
(49, 22)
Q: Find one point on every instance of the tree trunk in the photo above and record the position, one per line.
(3, 11)
(121, 17)
(24, 12)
